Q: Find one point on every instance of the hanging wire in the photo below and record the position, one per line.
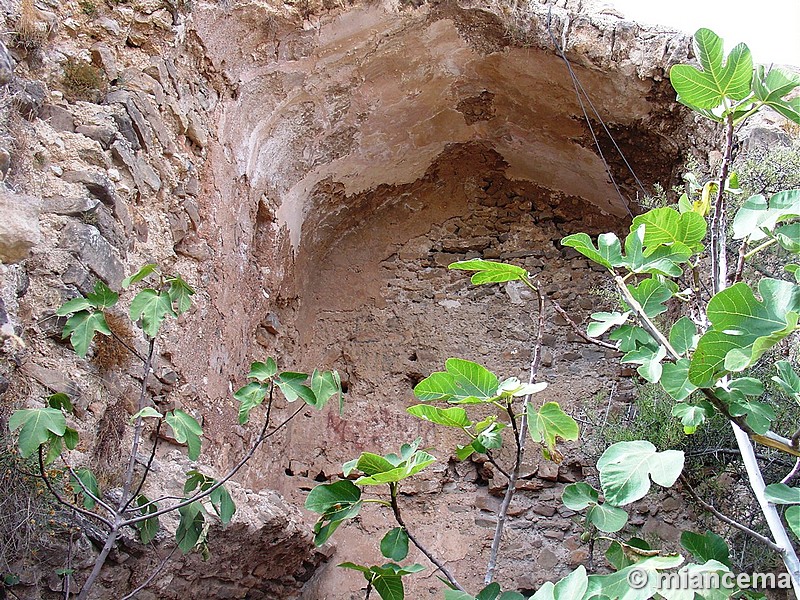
(581, 93)
(608, 133)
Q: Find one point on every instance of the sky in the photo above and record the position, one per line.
(770, 28)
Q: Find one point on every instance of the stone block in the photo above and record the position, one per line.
(7, 65)
(141, 171)
(94, 251)
(71, 207)
(29, 100)
(143, 131)
(103, 57)
(100, 186)
(101, 134)
(125, 126)
(150, 114)
(19, 227)
(196, 131)
(52, 379)
(543, 509)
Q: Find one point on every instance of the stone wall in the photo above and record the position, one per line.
(312, 170)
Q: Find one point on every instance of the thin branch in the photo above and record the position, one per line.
(744, 438)
(728, 451)
(725, 519)
(61, 500)
(147, 466)
(719, 273)
(158, 501)
(776, 526)
(699, 288)
(156, 571)
(646, 322)
(99, 562)
(742, 255)
(521, 435)
(86, 490)
(791, 475)
(128, 347)
(512, 417)
(399, 518)
(576, 328)
(70, 551)
(770, 439)
(496, 465)
(137, 431)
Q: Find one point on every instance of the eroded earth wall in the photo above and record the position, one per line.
(312, 169)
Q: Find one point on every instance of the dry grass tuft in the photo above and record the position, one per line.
(110, 352)
(32, 30)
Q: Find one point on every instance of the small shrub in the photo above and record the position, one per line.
(769, 169)
(88, 7)
(82, 81)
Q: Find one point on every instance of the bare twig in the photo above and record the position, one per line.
(86, 490)
(744, 434)
(699, 289)
(120, 521)
(520, 436)
(200, 495)
(100, 561)
(399, 518)
(737, 274)
(70, 550)
(60, 500)
(645, 320)
(128, 347)
(725, 519)
(496, 465)
(576, 328)
(719, 273)
(728, 451)
(769, 438)
(134, 495)
(137, 431)
(153, 575)
(792, 474)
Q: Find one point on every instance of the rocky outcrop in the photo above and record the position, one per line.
(312, 168)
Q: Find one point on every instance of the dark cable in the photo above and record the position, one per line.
(613, 141)
(578, 91)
